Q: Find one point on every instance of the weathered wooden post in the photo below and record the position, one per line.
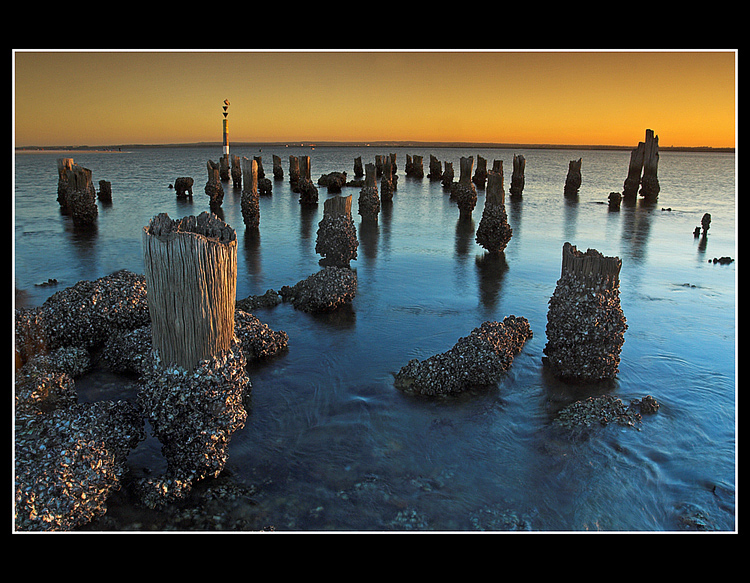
(369, 201)
(436, 169)
(264, 186)
(464, 192)
(358, 172)
(518, 179)
(633, 180)
(386, 182)
(214, 189)
(293, 172)
(337, 236)
(448, 175)
(308, 192)
(63, 165)
(105, 191)
(81, 197)
(249, 201)
(649, 181)
(585, 323)
(417, 167)
(236, 172)
(278, 171)
(191, 277)
(494, 232)
(183, 187)
(573, 179)
(480, 175)
(193, 393)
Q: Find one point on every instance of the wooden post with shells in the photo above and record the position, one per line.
(464, 192)
(191, 277)
(369, 201)
(585, 323)
(337, 236)
(80, 196)
(518, 179)
(494, 232)
(214, 190)
(633, 180)
(249, 200)
(573, 179)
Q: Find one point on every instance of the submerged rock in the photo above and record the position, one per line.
(476, 360)
(588, 414)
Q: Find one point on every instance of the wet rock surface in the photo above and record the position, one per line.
(476, 360)
(586, 415)
(70, 460)
(324, 291)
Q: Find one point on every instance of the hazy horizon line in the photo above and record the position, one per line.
(377, 143)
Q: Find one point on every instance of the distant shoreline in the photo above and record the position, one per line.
(121, 149)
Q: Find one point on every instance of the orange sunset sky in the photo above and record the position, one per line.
(532, 97)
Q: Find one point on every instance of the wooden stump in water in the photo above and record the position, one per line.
(369, 201)
(183, 187)
(293, 172)
(337, 236)
(105, 191)
(633, 180)
(480, 175)
(81, 197)
(464, 192)
(191, 278)
(358, 167)
(649, 181)
(249, 201)
(278, 171)
(518, 179)
(447, 179)
(308, 192)
(573, 179)
(214, 189)
(585, 323)
(236, 172)
(436, 169)
(224, 168)
(386, 182)
(494, 232)
(63, 165)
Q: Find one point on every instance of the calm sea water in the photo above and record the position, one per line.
(336, 446)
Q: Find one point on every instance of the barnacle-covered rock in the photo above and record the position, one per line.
(83, 315)
(584, 416)
(324, 291)
(477, 360)
(258, 340)
(70, 460)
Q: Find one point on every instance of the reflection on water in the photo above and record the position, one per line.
(331, 444)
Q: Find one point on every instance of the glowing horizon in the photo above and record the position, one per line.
(541, 97)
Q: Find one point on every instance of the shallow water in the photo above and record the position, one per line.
(336, 447)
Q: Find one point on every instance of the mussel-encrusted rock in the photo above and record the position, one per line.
(477, 360)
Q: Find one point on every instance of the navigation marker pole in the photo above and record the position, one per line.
(226, 129)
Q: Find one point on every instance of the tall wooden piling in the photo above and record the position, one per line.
(278, 171)
(369, 201)
(236, 172)
(480, 175)
(518, 179)
(573, 179)
(633, 180)
(358, 167)
(386, 182)
(585, 323)
(447, 179)
(63, 165)
(436, 169)
(249, 201)
(308, 192)
(649, 181)
(293, 172)
(494, 232)
(191, 276)
(464, 192)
